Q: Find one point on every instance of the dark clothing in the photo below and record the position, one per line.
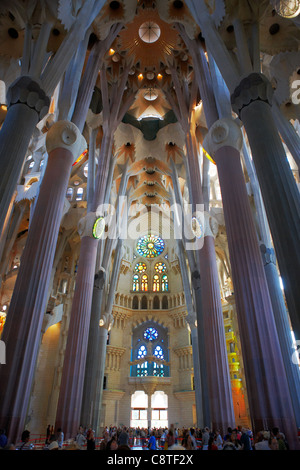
(90, 444)
(245, 439)
(123, 438)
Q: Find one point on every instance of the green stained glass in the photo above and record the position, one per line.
(150, 246)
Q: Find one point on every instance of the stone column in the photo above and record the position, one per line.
(22, 331)
(263, 362)
(283, 327)
(192, 322)
(219, 386)
(27, 105)
(252, 100)
(278, 304)
(288, 133)
(95, 353)
(205, 396)
(71, 388)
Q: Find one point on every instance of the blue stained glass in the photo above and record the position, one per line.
(150, 334)
(158, 352)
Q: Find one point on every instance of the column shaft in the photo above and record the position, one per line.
(261, 350)
(71, 389)
(22, 331)
(278, 187)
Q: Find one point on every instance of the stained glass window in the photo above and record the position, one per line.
(150, 334)
(150, 246)
(140, 268)
(142, 352)
(158, 370)
(158, 352)
(142, 370)
(160, 267)
(156, 283)
(136, 283)
(164, 283)
(145, 283)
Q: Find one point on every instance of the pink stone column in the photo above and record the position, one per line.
(71, 388)
(22, 330)
(210, 318)
(72, 385)
(220, 396)
(268, 391)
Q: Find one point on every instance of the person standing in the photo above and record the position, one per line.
(90, 440)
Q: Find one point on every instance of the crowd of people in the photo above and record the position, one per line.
(125, 438)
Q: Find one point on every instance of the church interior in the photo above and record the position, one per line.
(149, 222)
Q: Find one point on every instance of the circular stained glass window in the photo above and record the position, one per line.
(160, 267)
(150, 246)
(150, 334)
(140, 268)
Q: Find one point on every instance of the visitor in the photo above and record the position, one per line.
(193, 439)
(53, 445)
(273, 443)
(282, 444)
(170, 440)
(152, 441)
(219, 440)
(227, 436)
(90, 440)
(123, 437)
(212, 444)
(60, 438)
(112, 444)
(80, 439)
(25, 442)
(205, 438)
(48, 434)
(105, 440)
(262, 440)
(245, 440)
(3, 439)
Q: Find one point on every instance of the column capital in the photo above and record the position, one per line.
(106, 321)
(191, 320)
(223, 133)
(66, 135)
(92, 225)
(26, 90)
(254, 87)
(268, 255)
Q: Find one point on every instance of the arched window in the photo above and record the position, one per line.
(142, 370)
(165, 303)
(70, 194)
(156, 283)
(158, 352)
(158, 370)
(136, 283)
(142, 352)
(156, 303)
(164, 283)
(144, 303)
(135, 303)
(79, 194)
(145, 283)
